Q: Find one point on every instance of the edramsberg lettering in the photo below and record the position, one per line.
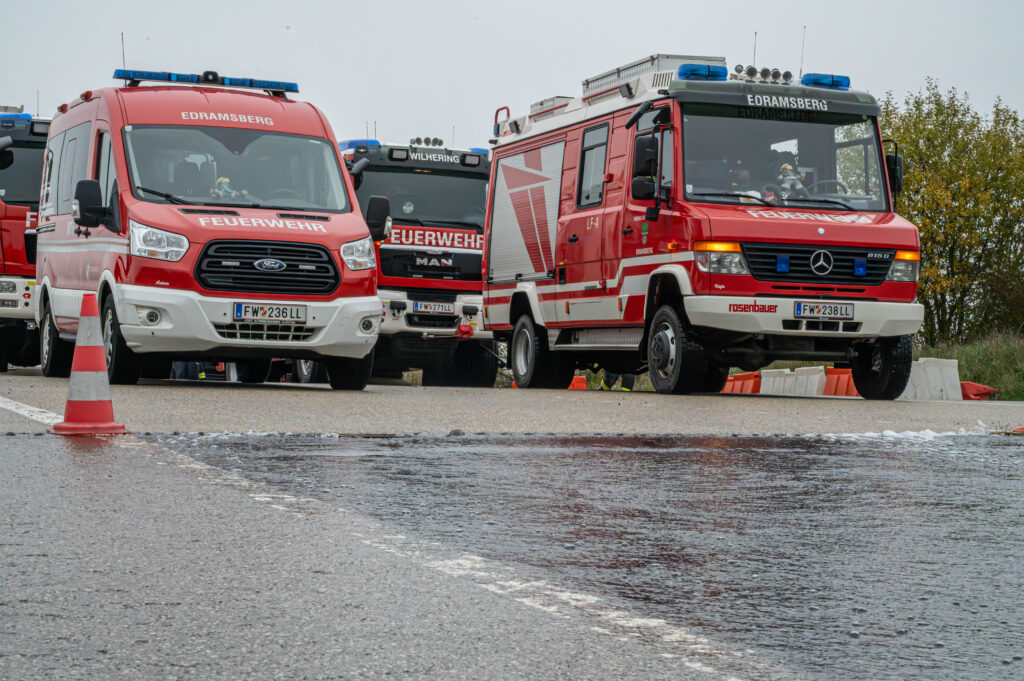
(752, 307)
(788, 102)
(230, 117)
(404, 236)
(821, 217)
(262, 222)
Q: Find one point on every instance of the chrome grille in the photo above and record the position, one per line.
(264, 332)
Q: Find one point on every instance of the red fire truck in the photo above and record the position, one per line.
(429, 267)
(681, 219)
(214, 222)
(22, 140)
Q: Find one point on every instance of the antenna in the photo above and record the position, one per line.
(37, 103)
(803, 42)
(755, 48)
(375, 130)
(124, 65)
(367, 129)
(453, 136)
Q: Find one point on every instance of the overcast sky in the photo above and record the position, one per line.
(420, 68)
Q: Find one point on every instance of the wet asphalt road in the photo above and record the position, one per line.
(600, 557)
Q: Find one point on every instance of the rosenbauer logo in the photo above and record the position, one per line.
(228, 117)
(753, 307)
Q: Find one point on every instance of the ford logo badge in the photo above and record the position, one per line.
(269, 265)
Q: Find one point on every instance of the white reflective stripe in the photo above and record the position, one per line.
(661, 258)
(81, 241)
(89, 333)
(88, 386)
(79, 248)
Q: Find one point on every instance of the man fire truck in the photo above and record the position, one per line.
(213, 223)
(682, 220)
(429, 278)
(22, 140)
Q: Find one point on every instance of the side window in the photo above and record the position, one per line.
(105, 172)
(48, 205)
(592, 160)
(73, 165)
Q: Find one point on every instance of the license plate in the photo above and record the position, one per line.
(810, 310)
(261, 312)
(434, 308)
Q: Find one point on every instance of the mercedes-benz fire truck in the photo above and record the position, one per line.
(22, 141)
(214, 219)
(681, 219)
(429, 268)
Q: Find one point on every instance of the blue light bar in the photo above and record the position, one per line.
(702, 72)
(480, 150)
(168, 77)
(826, 80)
(16, 116)
(352, 144)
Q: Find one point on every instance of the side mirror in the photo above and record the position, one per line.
(894, 167)
(378, 217)
(6, 155)
(87, 207)
(359, 166)
(645, 156)
(640, 111)
(643, 188)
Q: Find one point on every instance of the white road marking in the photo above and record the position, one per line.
(35, 413)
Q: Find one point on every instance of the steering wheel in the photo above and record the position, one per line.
(837, 183)
(284, 194)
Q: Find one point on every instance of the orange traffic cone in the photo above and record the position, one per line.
(89, 410)
(578, 383)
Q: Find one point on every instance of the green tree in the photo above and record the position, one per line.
(964, 189)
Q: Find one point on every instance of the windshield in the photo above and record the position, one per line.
(782, 157)
(19, 183)
(234, 167)
(426, 197)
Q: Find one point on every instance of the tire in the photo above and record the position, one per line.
(253, 370)
(715, 378)
(882, 372)
(533, 364)
(309, 371)
(348, 373)
(122, 364)
(55, 355)
(676, 362)
(157, 368)
(470, 366)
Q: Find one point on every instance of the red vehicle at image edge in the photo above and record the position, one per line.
(22, 141)
(683, 220)
(214, 222)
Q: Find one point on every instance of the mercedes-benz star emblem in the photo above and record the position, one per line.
(821, 263)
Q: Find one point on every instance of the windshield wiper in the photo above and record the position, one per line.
(739, 195)
(170, 197)
(835, 201)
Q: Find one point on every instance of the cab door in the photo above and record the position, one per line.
(579, 249)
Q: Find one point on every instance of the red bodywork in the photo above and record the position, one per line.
(14, 220)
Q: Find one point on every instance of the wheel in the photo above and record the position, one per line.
(55, 355)
(154, 367)
(533, 364)
(348, 373)
(253, 370)
(122, 364)
(470, 366)
(677, 363)
(882, 372)
(309, 371)
(715, 378)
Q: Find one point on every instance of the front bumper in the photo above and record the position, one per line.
(17, 305)
(776, 316)
(191, 322)
(405, 320)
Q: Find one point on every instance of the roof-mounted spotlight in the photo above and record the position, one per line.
(776, 74)
(751, 72)
(766, 73)
(514, 127)
(787, 76)
(418, 141)
(738, 68)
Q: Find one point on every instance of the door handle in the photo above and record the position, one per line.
(627, 230)
(573, 239)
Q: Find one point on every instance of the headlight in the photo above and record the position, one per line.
(358, 255)
(149, 242)
(8, 287)
(906, 266)
(721, 263)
